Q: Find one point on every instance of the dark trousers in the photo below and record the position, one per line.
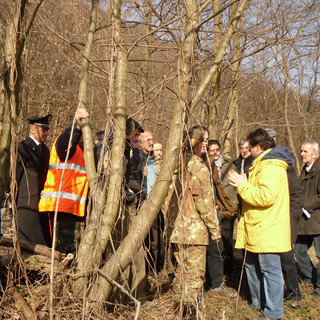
(155, 247)
(290, 276)
(215, 259)
(34, 226)
(227, 238)
(69, 228)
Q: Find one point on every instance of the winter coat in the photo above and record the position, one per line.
(247, 164)
(135, 192)
(310, 182)
(229, 190)
(264, 226)
(223, 202)
(296, 202)
(31, 173)
(197, 216)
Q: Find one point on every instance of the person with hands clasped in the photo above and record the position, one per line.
(264, 226)
(196, 220)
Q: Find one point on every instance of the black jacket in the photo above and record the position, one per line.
(310, 182)
(296, 202)
(63, 142)
(247, 164)
(135, 191)
(31, 173)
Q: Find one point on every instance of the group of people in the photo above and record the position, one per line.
(51, 181)
(278, 218)
(279, 214)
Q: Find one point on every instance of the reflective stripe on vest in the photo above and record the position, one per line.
(71, 166)
(63, 195)
(72, 198)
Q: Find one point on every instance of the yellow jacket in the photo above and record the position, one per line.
(264, 226)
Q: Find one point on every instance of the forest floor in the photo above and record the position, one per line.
(159, 303)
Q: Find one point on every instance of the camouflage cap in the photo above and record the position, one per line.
(195, 136)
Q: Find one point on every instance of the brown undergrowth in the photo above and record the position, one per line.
(158, 304)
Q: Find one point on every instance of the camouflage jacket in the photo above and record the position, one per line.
(197, 215)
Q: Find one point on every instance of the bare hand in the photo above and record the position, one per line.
(216, 239)
(235, 179)
(81, 114)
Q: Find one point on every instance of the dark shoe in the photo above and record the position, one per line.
(293, 296)
(314, 294)
(307, 282)
(231, 293)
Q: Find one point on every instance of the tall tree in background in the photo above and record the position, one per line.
(11, 49)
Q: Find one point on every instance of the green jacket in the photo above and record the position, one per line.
(197, 216)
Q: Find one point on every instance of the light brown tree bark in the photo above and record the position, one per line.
(101, 289)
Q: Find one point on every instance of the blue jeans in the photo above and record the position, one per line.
(2, 212)
(306, 267)
(266, 283)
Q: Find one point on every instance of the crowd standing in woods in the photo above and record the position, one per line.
(278, 213)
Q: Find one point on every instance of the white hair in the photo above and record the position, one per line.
(314, 144)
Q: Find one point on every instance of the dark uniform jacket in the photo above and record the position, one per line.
(31, 173)
(32, 167)
(310, 182)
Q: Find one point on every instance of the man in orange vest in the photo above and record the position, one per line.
(67, 168)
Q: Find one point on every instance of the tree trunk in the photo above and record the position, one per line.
(207, 79)
(101, 289)
(89, 236)
(214, 99)
(229, 129)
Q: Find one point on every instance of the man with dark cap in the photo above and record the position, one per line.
(31, 173)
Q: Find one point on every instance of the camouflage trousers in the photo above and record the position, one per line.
(190, 272)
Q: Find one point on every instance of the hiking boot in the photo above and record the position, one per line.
(225, 290)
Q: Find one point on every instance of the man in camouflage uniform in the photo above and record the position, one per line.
(196, 219)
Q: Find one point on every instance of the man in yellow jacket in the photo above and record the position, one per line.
(264, 227)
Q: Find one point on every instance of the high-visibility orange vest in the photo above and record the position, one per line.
(72, 198)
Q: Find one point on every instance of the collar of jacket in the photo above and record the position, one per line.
(260, 156)
(146, 156)
(309, 175)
